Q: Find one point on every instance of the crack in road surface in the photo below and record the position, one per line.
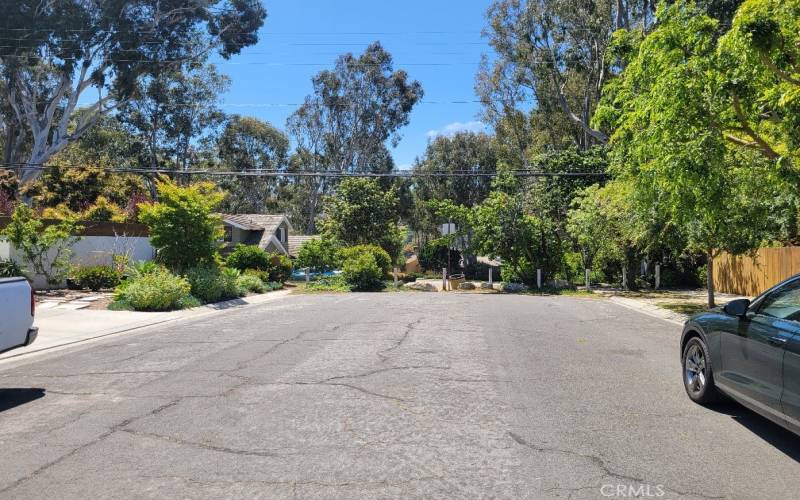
(600, 463)
(205, 446)
(409, 328)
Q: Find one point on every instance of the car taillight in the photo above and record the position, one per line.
(33, 303)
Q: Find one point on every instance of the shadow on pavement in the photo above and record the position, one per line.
(228, 304)
(11, 398)
(782, 439)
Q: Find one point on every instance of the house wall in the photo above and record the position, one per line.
(91, 250)
(238, 235)
(282, 234)
(5, 250)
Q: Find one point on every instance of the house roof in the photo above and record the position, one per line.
(295, 241)
(256, 222)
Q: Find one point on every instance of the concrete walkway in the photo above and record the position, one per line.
(60, 327)
(651, 303)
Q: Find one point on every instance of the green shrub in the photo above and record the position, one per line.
(46, 249)
(280, 267)
(362, 272)
(382, 259)
(250, 283)
(272, 285)
(328, 284)
(433, 255)
(318, 254)
(262, 275)
(248, 257)
(156, 291)
(182, 224)
(143, 267)
(104, 210)
(10, 269)
(213, 284)
(97, 277)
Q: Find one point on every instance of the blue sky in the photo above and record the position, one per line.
(437, 42)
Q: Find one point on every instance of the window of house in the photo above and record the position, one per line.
(228, 234)
(280, 234)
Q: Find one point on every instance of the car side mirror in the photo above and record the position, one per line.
(737, 307)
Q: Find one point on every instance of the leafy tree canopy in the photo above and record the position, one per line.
(360, 213)
(69, 47)
(183, 226)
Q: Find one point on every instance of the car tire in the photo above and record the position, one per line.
(698, 377)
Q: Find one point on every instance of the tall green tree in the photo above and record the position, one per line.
(551, 63)
(360, 212)
(469, 158)
(249, 145)
(676, 142)
(501, 227)
(607, 228)
(345, 125)
(173, 111)
(59, 54)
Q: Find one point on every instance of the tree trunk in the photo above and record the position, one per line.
(8, 151)
(710, 279)
(625, 277)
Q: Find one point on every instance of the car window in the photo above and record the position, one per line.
(783, 303)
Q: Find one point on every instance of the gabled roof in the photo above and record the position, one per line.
(295, 241)
(256, 222)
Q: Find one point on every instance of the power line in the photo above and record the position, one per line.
(398, 174)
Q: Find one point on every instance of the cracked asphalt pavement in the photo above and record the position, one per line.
(403, 395)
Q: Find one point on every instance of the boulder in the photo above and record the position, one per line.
(466, 286)
(421, 287)
(487, 286)
(513, 287)
(558, 283)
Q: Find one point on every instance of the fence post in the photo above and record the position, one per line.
(625, 277)
(308, 274)
(490, 277)
(588, 281)
(538, 278)
(395, 277)
(658, 276)
(444, 279)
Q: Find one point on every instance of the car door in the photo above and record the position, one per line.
(753, 353)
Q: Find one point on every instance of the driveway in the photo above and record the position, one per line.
(385, 395)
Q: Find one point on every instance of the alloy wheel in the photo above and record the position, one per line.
(695, 369)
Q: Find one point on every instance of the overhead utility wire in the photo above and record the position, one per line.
(333, 174)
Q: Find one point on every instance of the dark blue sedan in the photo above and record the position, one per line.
(750, 352)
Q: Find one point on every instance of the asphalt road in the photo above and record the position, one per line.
(384, 396)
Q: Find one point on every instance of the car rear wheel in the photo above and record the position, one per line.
(698, 379)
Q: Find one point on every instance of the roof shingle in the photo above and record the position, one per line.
(296, 241)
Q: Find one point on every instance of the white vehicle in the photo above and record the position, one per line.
(17, 307)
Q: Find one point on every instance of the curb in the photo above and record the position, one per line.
(174, 317)
(650, 310)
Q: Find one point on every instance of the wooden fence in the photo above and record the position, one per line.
(745, 275)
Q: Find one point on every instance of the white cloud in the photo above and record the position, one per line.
(453, 128)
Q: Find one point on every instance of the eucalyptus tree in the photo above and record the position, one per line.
(57, 56)
(355, 110)
(249, 145)
(470, 158)
(174, 109)
(551, 59)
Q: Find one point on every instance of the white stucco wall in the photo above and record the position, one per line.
(92, 250)
(5, 249)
